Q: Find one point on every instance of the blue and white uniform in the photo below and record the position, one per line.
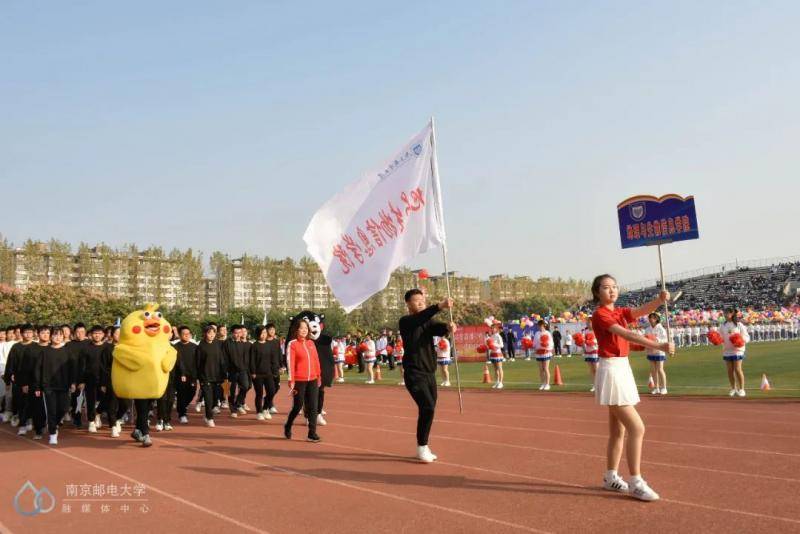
(730, 353)
(660, 333)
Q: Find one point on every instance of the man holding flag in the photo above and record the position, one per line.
(375, 225)
(419, 362)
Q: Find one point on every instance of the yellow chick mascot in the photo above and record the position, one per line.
(144, 357)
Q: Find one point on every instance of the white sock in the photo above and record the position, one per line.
(610, 474)
(636, 479)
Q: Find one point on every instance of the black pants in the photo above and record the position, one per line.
(239, 380)
(18, 402)
(90, 399)
(264, 387)
(36, 411)
(321, 398)
(186, 391)
(360, 362)
(112, 406)
(56, 402)
(422, 387)
(208, 389)
(142, 409)
(557, 348)
(276, 380)
(512, 351)
(73, 407)
(306, 400)
(390, 359)
(164, 404)
(218, 394)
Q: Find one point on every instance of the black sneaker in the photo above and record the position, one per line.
(287, 431)
(313, 438)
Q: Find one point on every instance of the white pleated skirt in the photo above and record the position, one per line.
(614, 384)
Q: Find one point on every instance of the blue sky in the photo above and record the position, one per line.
(224, 126)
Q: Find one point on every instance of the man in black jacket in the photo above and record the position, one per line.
(186, 374)
(511, 344)
(419, 362)
(237, 355)
(557, 341)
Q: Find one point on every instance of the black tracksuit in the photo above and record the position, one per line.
(34, 404)
(12, 368)
(186, 366)
(419, 364)
(23, 371)
(511, 342)
(75, 349)
(54, 374)
(211, 370)
(91, 366)
(557, 341)
(264, 366)
(237, 355)
(114, 407)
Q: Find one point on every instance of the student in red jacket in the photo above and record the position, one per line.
(304, 378)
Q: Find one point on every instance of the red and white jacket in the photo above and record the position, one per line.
(302, 361)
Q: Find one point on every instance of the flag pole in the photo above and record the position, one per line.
(440, 218)
(664, 288)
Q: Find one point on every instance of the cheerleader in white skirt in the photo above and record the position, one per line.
(615, 386)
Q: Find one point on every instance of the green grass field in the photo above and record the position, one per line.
(692, 371)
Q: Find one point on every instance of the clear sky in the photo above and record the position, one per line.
(223, 126)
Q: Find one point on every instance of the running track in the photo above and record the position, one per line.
(514, 462)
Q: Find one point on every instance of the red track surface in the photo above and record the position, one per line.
(513, 462)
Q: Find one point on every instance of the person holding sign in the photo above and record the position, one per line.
(615, 386)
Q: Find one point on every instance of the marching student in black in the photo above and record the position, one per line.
(186, 374)
(211, 370)
(237, 354)
(91, 356)
(23, 371)
(54, 377)
(112, 405)
(13, 367)
(35, 400)
(419, 361)
(264, 357)
(75, 348)
(165, 403)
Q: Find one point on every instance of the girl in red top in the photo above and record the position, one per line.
(302, 366)
(615, 386)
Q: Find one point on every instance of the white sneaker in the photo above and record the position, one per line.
(14, 421)
(184, 420)
(591, 389)
(273, 410)
(37, 436)
(224, 405)
(615, 483)
(643, 492)
(401, 383)
(7, 416)
(340, 380)
(66, 419)
(29, 426)
(494, 386)
(732, 393)
(53, 439)
(424, 455)
(115, 431)
(215, 410)
(22, 431)
(234, 415)
(167, 427)
(246, 407)
(369, 382)
(242, 410)
(546, 387)
(663, 391)
(500, 385)
(655, 391)
(93, 427)
(266, 414)
(209, 422)
(541, 387)
(446, 383)
(323, 412)
(159, 425)
(199, 407)
(431, 452)
(98, 422)
(321, 420)
(260, 416)
(741, 393)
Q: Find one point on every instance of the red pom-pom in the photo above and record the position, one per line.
(527, 343)
(389, 350)
(336, 351)
(442, 344)
(482, 349)
(715, 338)
(423, 274)
(544, 340)
(590, 338)
(363, 347)
(491, 344)
(737, 340)
(578, 339)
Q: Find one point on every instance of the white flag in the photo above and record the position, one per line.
(378, 223)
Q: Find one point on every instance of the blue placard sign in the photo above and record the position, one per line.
(647, 220)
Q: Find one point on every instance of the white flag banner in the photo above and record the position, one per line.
(378, 223)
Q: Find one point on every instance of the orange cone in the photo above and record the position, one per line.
(765, 383)
(557, 377)
(378, 373)
(651, 383)
(487, 378)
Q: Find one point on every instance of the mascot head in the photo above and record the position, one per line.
(315, 323)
